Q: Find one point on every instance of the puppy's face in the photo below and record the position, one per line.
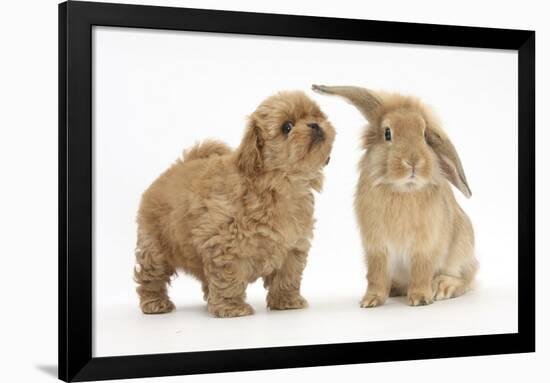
(287, 132)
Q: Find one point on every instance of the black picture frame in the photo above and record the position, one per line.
(75, 190)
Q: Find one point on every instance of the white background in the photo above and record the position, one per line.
(29, 195)
(157, 92)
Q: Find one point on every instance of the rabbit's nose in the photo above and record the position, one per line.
(413, 161)
(314, 126)
(410, 163)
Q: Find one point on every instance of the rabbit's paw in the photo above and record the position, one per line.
(372, 300)
(420, 298)
(446, 287)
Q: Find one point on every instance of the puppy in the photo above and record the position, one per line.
(228, 217)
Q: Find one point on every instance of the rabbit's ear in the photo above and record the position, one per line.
(448, 161)
(363, 99)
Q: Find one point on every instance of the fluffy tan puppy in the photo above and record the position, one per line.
(228, 217)
(417, 239)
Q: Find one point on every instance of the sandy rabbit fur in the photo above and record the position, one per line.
(417, 239)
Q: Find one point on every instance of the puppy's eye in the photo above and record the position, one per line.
(287, 127)
(387, 134)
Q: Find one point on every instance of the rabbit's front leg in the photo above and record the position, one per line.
(379, 281)
(420, 291)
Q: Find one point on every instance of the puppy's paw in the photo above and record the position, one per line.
(157, 306)
(372, 300)
(230, 310)
(286, 302)
(420, 298)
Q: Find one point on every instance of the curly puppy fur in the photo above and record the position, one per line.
(417, 239)
(228, 217)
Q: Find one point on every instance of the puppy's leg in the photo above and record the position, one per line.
(204, 287)
(152, 274)
(420, 288)
(379, 281)
(227, 281)
(284, 284)
(195, 267)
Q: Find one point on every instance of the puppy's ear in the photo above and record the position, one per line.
(249, 157)
(316, 183)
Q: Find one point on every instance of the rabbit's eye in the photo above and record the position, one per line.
(287, 127)
(387, 134)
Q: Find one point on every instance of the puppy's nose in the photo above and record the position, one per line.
(314, 126)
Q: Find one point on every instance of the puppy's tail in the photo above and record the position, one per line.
(206, 149)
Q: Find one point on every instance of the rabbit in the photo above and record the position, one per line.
(417, 239)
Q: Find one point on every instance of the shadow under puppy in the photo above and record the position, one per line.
(229, 217)
(418, 241)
